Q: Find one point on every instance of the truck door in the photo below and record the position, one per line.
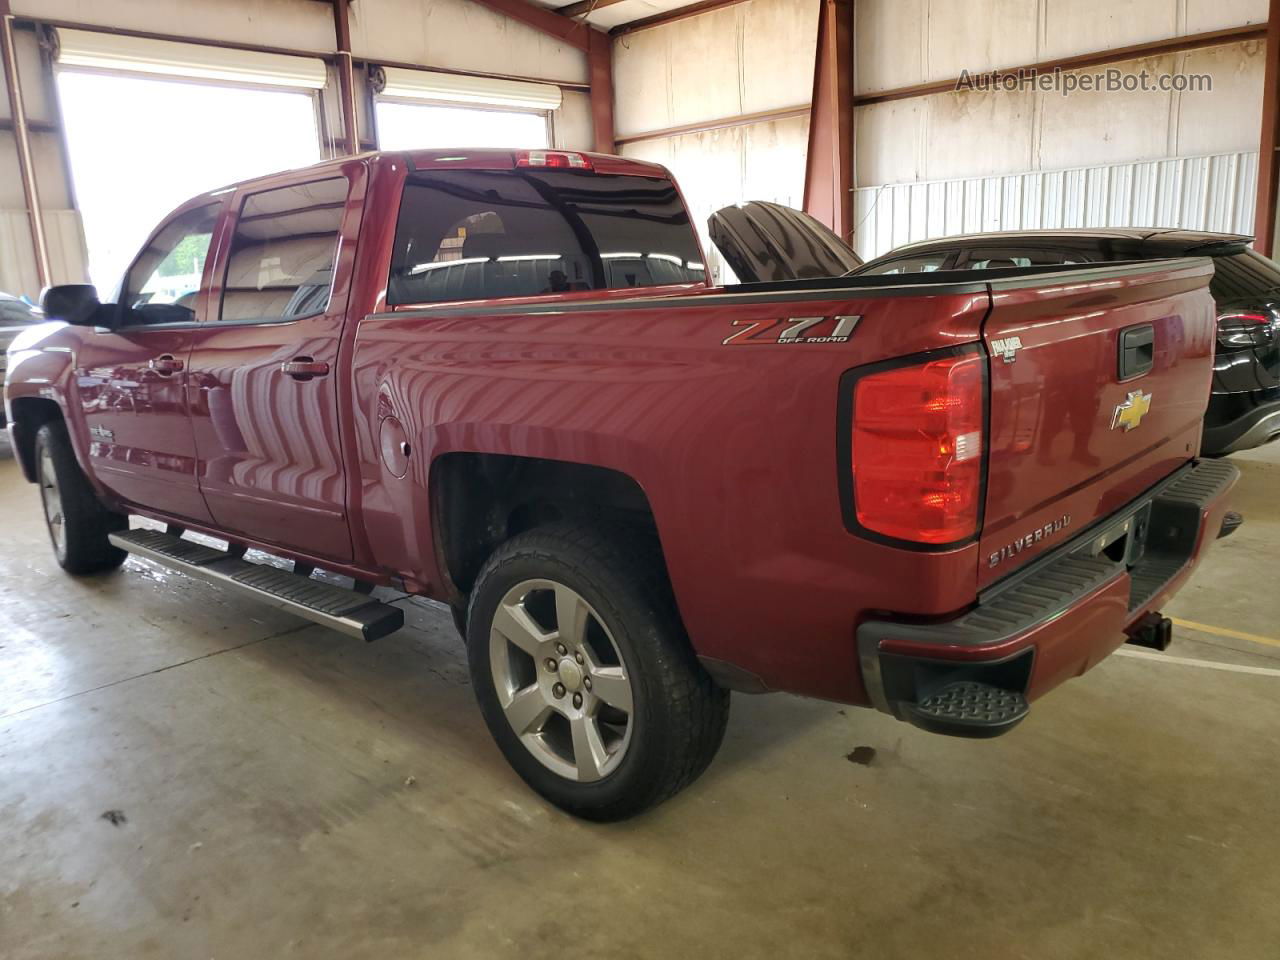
(264, 369)
(130, 380)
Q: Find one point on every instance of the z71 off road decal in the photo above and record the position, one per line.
(793, 330)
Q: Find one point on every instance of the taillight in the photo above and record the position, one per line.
(553, 159)
(917, 450)
(1241, 329)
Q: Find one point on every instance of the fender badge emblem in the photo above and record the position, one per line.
(1007, 349)
(1130, 413)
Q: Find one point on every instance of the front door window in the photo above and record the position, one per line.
(164, 282)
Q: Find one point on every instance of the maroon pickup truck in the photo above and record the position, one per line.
(502, 380)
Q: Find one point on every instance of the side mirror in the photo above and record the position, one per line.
(74, 303)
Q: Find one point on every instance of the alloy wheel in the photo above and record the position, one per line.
(561, 680)
(52, 500)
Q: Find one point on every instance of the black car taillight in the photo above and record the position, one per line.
(1241, 329)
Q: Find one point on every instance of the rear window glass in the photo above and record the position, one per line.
(1243, 276)
(924, 263)
(477, 234)
(987, 258)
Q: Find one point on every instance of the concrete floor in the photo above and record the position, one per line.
(284, 791)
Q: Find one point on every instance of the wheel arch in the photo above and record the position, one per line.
(28, 415)
(480, 500)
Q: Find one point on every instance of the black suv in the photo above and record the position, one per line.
(1244, 408)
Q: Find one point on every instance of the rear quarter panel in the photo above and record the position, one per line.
(734, 445)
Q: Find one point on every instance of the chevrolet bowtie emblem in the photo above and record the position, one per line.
(1130, 413)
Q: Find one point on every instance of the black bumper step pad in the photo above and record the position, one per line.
(967, 708)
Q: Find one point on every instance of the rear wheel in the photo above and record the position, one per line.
(584, 675)
(78, 523)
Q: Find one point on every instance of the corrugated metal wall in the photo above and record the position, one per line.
(1197, 193)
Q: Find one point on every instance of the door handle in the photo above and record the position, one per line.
(304, 368)
(166, 365)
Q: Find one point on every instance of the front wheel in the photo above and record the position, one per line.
(584, 675)
(78, 523)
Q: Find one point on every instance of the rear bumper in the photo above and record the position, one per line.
(1259, 425)
(1057, 618)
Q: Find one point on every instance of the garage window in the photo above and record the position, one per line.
(418, 126)
(424, 109)
(179, 118)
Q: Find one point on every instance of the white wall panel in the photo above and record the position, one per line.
(460, 35)
(759, 161)
(984, 33)
(572, 122)
(986, 133)
(903, 42)
(748, 58)
(17, 261)
(1083, 26)
(978, 133)
(779, 39)
(297, 24)
(889, 141)
(888, 44)
(1099, 127)
(1230, 117)
(65, 238)
(1198, 193)
(1204, 15)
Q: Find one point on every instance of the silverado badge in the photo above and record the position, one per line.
(1130, 413)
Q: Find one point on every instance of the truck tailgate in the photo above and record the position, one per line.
(1098, 388)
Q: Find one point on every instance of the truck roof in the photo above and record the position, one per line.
(486, 158)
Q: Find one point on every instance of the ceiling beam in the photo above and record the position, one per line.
(22, 140)
(600, 67)
(585, 6)
(572, 32)
(671, 16)
(346, 75)
(828, 169)
(739, 120)
(1264, 218)
(596, 44)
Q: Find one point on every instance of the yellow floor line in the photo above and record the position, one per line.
(1225, 632)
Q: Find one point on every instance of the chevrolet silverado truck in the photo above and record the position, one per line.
(503, 380)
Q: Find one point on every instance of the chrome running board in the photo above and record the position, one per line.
(349, 612)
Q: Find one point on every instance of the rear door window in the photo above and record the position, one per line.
(479, 234)
(280, 266)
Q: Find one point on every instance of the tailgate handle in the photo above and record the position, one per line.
(1137, 351)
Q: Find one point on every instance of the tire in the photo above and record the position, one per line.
(625, 626)
(459, 613)
(77, 521)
